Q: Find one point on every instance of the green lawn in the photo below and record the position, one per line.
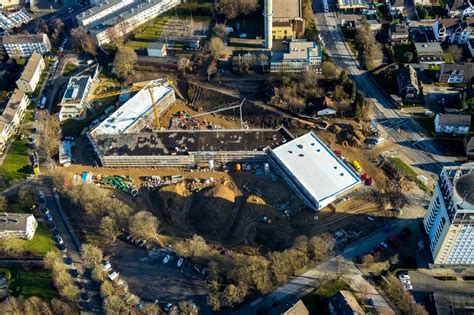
(16, 166)
(448, 58)
(32, 283)
(41, 242)
(69, 68)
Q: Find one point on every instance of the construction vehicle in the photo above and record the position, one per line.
(35, 163)
(357, 166)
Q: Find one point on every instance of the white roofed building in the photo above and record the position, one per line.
(137, 112)
(74, 101)
(316, 174)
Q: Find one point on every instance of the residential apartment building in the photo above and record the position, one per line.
(398, 33)
(452, 124)
(11, 4)
(429, 53)
(456, 73)
(18, 225)
(74, 101)
(12, 116)
(288, 13)
(301, 56)
(31, 74)
(408, 83)
(22, 46)
(460, 9)
(10, 20)
(449, 221)
(115, 18)
(454, 31)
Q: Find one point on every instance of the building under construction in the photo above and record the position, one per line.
(125, 139)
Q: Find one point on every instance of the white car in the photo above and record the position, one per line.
(404, 281)
(404, 277)
(384, 244)
(180, 262)
(166, 259)
(409, 287)
(41, 194)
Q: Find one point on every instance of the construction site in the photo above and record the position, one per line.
(208, 172)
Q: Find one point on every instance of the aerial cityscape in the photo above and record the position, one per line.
(240, 157)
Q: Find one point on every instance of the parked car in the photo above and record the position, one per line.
(85, 296)
(62, 247)
(142, 243)
(409, 287)
(405, 281)
(166, 259)
(105, 265)
(168, 307)
(384, 244)
(404, 277)
(52, 225)
(41, 194)
(180, 262)
(58, 239)
(48, 217)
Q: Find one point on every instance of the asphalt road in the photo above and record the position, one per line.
(417, 148)
(298, 287)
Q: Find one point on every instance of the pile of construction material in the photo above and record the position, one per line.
(120, 183)
(154, 182)
(184, 121)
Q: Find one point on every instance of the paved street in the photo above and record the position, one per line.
(289, 293)
(417, 148)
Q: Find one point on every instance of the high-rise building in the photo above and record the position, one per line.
(449, 221)
(268, 14)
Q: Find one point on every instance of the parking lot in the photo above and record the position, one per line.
(148, 277)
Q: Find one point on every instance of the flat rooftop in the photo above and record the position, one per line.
(286, 9)
(135, 108)
(316, 167)
(76, 88)
(186, 142)
(122, 14)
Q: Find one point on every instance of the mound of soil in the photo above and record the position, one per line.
(211, 208)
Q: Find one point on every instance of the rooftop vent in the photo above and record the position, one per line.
(301, 154)
(300, 146)
(289, 151)
(341, 174)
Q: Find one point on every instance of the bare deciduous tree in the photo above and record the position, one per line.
(143, 224)
(216, 47)
(80, 39)
(124, 62)
(91, 255)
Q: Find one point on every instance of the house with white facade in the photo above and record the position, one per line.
(12, 115)
(454, 31)
(74, 101)
(452, 124)
(18, 225)
(300, 56)
(460, 9)
(22, 46)
(31, 74)
(115, 18)
(449, 220)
